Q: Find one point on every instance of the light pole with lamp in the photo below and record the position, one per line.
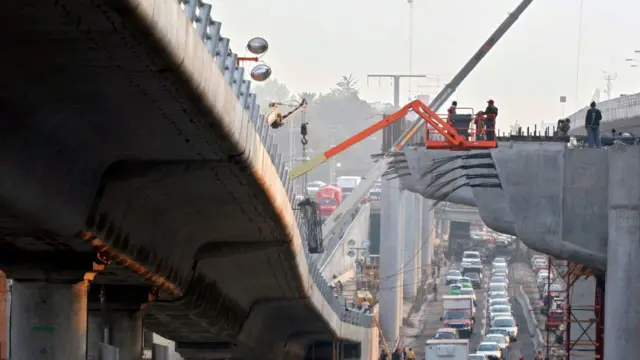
(635, 62)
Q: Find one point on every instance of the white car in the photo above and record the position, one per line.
(313, 187)
(499, 280)
(452, 276)
(490, 350)
(497, 287)
(499, 260)
(499, 295)
(499, 302)
(508, 323)
(501, 340)
(499, 310)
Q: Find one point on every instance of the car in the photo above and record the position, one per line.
(499, 310)
(499, 272)
(502, 340)
(452, 277)
(501, 266)
(477, 357)
(498, 280)
(464, 280)
(313, 187)
(499, 260)
(476, 280)
(497, 287)
(540, 265)
(469, 292)
(508, 323)
(499, 295)
(455, 286)
(498, 331)
(534, 258)
(470, 255)
(446, 334)
(499, 302)
(490, 349)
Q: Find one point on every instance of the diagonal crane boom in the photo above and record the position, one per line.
(381, 166)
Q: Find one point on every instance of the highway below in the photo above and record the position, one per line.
(429, 321)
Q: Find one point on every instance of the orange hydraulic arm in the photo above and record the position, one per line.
(452, 140)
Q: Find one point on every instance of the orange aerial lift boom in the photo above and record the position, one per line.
(435, 125)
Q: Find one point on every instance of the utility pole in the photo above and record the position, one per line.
(410, 44)
(608, 79)
(396, 84)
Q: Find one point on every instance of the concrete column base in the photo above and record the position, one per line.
(126, 334)
(49, 321)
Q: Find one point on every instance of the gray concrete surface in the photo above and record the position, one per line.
(567, 216)
(622, 315)
(336, 260)
(411, 248)
(444, 183)
(391, 259)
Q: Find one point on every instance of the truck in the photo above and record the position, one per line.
(348, 183)
(449, 349)
(458, 312)
(328, 197)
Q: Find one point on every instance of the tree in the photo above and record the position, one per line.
(309, 96)
(270, 90)
(346, 86)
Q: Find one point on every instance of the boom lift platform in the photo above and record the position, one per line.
(450, 138)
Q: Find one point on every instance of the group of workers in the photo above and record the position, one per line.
(484, 121)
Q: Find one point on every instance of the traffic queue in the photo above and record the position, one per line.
(460, 313)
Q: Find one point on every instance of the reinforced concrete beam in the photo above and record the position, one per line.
(557, 198)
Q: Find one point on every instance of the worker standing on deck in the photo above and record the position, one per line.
(451, 112)
(592, 125)
(491, 112)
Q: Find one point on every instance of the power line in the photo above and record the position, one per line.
(578, 55)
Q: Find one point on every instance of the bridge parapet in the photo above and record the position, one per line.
(621, 108)
(246, 125)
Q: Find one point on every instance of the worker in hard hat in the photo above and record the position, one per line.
(491, 112)
(479, 122)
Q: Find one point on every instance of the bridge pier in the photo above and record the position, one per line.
(411, 259)
(49, 320)
(622, 321)
(427, 233)
(121, 326)
(390, 259)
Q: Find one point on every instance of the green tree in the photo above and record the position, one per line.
(346, 86)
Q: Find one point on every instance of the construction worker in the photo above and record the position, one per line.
(592, 125)
(411, 355)
(451, 112)
(491, 112)
(479, 122)
(563, 127)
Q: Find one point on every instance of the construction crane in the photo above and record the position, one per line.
(381, 166)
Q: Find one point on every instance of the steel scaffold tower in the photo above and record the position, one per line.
(580, 332)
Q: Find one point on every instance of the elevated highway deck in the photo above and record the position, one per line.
(128, 136)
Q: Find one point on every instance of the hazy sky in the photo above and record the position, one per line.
(313, 43)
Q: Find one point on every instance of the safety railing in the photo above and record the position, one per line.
(208, 30)
(624, 107)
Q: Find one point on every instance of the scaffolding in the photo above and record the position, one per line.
(579, 332)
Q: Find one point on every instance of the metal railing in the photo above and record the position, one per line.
(620, 108)
(209, 31)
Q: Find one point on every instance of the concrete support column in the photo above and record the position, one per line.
(427, 234)
(126, 334)
(390, 259)
(420, 244)
(409, 271)
(95, 333)
(4, 354)
(622, 320)
(49, 321)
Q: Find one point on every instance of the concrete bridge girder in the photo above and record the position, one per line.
(421, 180)
(556, 197)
